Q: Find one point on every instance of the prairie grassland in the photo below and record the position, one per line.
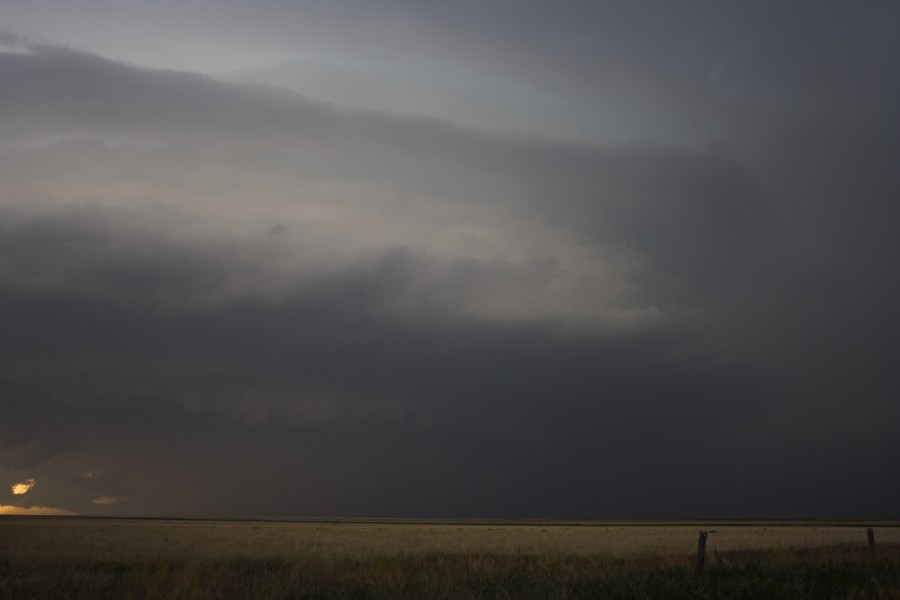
(134, 558)
(151, 539)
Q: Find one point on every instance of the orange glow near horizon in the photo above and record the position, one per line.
(23, 487)
(46, 511)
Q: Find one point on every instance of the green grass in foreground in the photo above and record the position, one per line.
(820, 573)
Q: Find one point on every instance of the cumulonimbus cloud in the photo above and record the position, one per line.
(452, 222)
(366, 300)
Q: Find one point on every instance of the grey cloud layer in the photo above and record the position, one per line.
(204, 285)
(239, 155)
(644, 70)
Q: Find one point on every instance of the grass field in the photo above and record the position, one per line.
(152, 558)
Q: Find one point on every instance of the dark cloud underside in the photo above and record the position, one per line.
(221, 298)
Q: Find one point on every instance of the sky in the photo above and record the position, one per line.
(496, 259)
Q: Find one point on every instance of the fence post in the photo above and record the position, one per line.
(871, 535)
(701, 553)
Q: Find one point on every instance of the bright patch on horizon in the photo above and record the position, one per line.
(36, 510)
(22, 488)
(109, 500)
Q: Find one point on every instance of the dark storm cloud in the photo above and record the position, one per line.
(337, 401)
(207, 285)
(623, 70)
(13, 41)
(667, 205)
(326, 405)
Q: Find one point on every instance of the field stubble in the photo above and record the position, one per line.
(151, 539)
(135, 558)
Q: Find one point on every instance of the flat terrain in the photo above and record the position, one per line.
(139, 539)
(75, 557)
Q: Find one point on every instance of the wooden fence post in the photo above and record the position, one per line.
(871, 535)
(701, 553)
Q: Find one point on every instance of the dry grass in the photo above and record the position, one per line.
(122, 558)
(141, 539)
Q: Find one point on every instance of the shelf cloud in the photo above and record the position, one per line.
(661, 286)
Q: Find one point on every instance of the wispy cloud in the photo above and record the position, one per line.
(109, 500)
